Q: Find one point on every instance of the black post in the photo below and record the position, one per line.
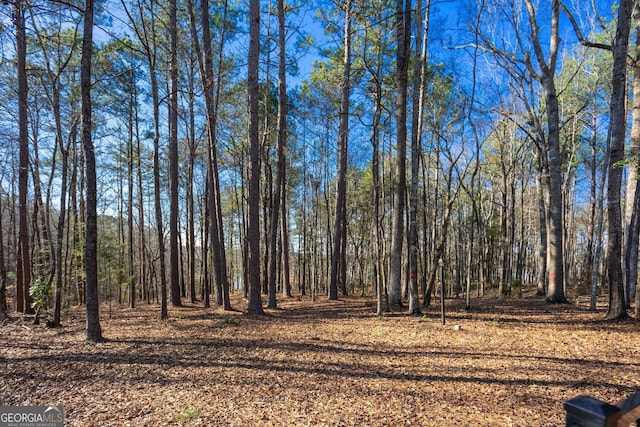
(442, 315)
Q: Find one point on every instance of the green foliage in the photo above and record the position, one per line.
(188, 414)
(39, 291)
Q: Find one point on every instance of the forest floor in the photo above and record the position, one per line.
(323, 363)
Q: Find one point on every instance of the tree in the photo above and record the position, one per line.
(173, 157)
(616, 141)
(416, 148)
(403, 38)
(632, 202)
(94, 331)
(280, 194)
(525, 64)
(253, 229)
(339, 236)
(145, 28)
(212, 97)
(23, 266)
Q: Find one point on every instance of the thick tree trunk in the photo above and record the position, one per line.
(94, 331)
(555, 256)
(253, 200)
(617, 131)
(631, 220)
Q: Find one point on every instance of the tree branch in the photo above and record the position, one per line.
(576, 30)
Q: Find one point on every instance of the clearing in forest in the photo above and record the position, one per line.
(308, 363)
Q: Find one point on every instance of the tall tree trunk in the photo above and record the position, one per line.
(281, 156)
(64, 151)
(337, 255)
(555, 256)
(94, 331)
(416, 151)
(142, 257)
(173, 158)
(403, 32)
(191, 234)
(158, 208)
(591, 225)
(616, 136)
(253, 200)
(130, 184)
(632, 203)
(205, 63)
(23, 267)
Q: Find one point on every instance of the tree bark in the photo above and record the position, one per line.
(279, 194)
(174, 282)
(337, 256)
(94, 331)
(23, 268)
(416, 152)
(616, 137)
(632, 203)
(403, 32)
(253, 200)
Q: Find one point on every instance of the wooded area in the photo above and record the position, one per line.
(183, 152)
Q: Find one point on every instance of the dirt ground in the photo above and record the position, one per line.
(323, 363)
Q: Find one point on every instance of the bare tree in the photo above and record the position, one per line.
(525, 64)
